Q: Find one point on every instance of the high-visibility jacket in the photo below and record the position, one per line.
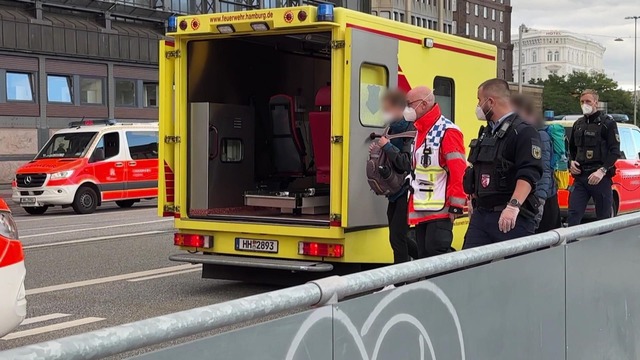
(439, 163)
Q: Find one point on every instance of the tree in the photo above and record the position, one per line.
(561, 93)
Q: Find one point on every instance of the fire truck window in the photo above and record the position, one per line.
(143, 144)
(374, 80)
(626, 144)
(443, 89)
(232, 150)
(110, 143)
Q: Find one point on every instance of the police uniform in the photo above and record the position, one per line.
(502, 155)
(595, 145)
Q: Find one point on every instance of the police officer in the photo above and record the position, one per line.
(505, 167)
(594, 147)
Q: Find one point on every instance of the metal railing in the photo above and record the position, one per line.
(122, 338)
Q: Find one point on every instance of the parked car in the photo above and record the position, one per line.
(623, 118)
(626, 181)
(90, 163)
(13, 302)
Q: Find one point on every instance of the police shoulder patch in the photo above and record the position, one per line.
(617, 137)
(536, 152)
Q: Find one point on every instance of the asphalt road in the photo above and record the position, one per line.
(86, 272)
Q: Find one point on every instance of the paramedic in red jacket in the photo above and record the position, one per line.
(439, 163)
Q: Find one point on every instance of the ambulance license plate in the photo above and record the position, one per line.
(269, 246)
(28, 201)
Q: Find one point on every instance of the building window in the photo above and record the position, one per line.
(444, 91)
(125, 92)
(504, 74)
(485, 12)
(475, 30)
(549, 56)
(59, 89)
(374, 80)
(413, 20)
(451, 29)
(522, 58)
(401, 17)
(493, 34)
(150, 94)
(501, 16)
(493, 14)
(374, 13)
(91, 91)
(484, 32)
(466, 29)
(556, 56)
(19, 86)
(501, 36)
(502, 54)
(476, 10)
(467, 7)
(534, 56)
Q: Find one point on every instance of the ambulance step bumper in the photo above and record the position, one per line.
(263, 263)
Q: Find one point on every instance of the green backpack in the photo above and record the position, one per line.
(559, 147)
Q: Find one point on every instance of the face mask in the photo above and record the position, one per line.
(388, 118)
(480, 113)
(409, 114)
(586, 109)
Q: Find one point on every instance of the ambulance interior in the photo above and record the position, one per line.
(260, 128)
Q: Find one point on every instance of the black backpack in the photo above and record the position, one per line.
(381, 176)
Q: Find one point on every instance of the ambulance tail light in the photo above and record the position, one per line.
(321, 249)
(260, 26)
(226, 29)
(191, 240)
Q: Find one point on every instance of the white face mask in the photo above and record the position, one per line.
(587, 109)
(480, 113)
(388, 118)
(409, 114)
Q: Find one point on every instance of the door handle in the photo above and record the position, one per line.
(132, 163)
(119, 164)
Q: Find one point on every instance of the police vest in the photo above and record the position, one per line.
(493, 174)
(590, 144)
(429, 181)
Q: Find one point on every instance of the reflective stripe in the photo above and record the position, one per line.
(414, 215)
(458, 201)
(429, 170)
(454, 155)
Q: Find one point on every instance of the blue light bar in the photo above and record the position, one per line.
(325, 12)
(172, 24)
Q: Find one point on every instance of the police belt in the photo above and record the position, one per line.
(523, 211)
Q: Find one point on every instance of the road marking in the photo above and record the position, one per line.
(107, 279)
(53, 227)
(72, 215)
(37, 319)
(95, 228)
(165, 275)
(50, 328)
(99, 238)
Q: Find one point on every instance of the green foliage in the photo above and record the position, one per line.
(561, 93)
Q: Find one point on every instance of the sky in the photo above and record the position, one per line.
(601, 20)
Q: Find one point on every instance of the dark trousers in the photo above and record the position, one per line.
(434, 237)
(483, 229)
(399, 231)
(550, 215)
(602, 195)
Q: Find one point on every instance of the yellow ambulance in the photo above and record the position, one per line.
(265, 122)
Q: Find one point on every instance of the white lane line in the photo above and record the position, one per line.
(53, 227)
(164, 275)
(95, 228)
(71, 216)
(99, 238)
(50, 328)
(42, 318)
(107, 279)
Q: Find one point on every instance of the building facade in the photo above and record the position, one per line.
(488, 21)
(556, 52)
(422, 13)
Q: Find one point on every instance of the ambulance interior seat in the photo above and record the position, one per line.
(287, 146)
(320, 126)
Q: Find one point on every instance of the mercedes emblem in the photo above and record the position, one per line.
(27, 180)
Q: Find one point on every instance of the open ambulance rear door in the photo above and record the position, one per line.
(167, 132)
